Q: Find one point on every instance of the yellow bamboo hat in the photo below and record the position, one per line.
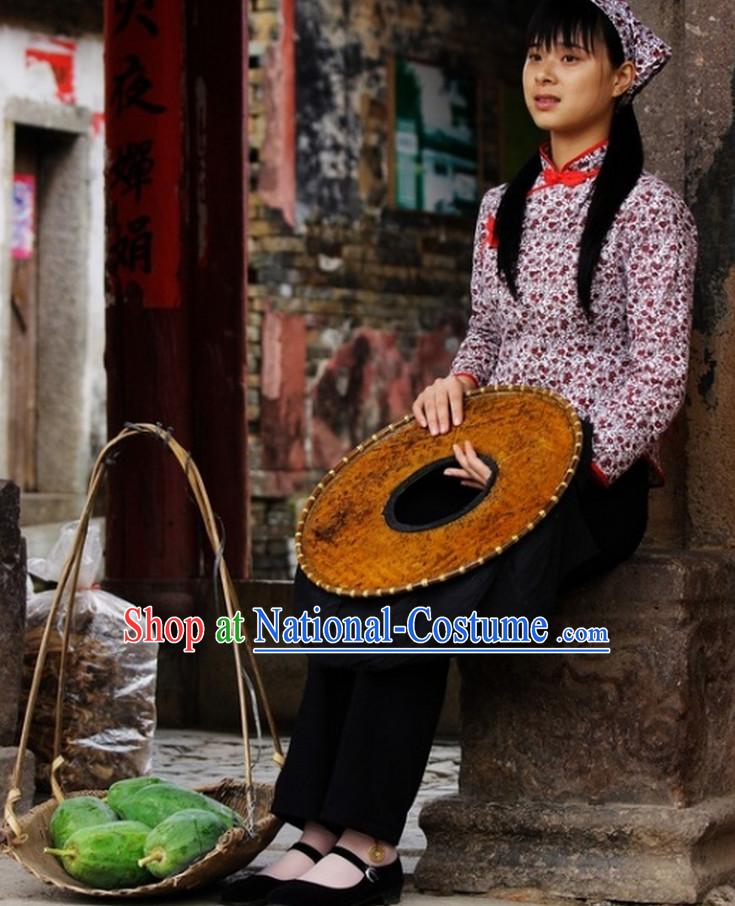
(386, 519)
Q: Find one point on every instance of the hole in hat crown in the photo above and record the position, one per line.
(428, 498)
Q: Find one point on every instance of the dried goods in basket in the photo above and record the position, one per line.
(109, 689)
(27, 835)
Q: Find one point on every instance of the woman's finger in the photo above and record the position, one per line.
(456, 401)
(472, 463)
(475, 462)
(430, 409)
(478, 485)
(442, 405)
(462, 459)
(474, 459)
(418, 410)
(459, 454)
(463, 474)
(465, 478)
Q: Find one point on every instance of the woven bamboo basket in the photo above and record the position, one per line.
(25, 836)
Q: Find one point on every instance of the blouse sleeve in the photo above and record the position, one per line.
(659, 276)
(478, 352)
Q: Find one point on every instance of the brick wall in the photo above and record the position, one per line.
(353, 307)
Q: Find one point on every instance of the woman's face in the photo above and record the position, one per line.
(585, 84)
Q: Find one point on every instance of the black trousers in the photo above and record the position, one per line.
(360, 745)
(362, 737)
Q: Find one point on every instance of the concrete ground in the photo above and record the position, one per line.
(195, 758)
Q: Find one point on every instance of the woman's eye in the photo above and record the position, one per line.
(536, 56)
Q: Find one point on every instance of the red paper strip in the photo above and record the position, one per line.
(58, 53)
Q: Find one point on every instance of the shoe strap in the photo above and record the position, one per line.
(311, 851)
(350, 856)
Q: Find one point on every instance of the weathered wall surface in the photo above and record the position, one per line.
(686, 115)
(12, 608)
(663, 127)
(707, 91)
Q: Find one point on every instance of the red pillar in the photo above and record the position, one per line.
(175, 278)
(217, 99)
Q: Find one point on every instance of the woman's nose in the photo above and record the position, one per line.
(545, 79)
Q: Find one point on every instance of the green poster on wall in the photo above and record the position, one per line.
(435, 141)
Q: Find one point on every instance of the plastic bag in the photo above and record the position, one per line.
(109, 715)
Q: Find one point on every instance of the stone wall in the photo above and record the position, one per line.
(12, 608)
(690, 144)
(12, 629)
(707, 87)
(606, 777)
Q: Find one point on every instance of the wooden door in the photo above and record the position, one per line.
(23, 312)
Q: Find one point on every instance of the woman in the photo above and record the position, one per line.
(612, 335)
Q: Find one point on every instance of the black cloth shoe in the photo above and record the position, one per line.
(379, 884)
(253, 889)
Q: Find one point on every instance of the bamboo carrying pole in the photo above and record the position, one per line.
(72, 566)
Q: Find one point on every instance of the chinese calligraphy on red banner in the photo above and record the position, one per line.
(144, 109)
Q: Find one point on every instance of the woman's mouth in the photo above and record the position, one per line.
(545, 101)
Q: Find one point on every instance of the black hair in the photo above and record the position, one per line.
(621, 167)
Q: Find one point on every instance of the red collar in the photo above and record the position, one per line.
(586, 165)
(585, 160)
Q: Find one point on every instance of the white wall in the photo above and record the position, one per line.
(29, 93)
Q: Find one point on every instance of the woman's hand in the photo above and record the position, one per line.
(432, 409)
(474, 472)
(433, 406)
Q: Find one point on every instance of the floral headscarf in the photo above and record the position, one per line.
(644, 48)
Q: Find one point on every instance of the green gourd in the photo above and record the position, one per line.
(180, 839)
(76, 813)
(123, 790)
(106, 856)
(156, 802)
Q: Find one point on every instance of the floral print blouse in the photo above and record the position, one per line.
(626, 370)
